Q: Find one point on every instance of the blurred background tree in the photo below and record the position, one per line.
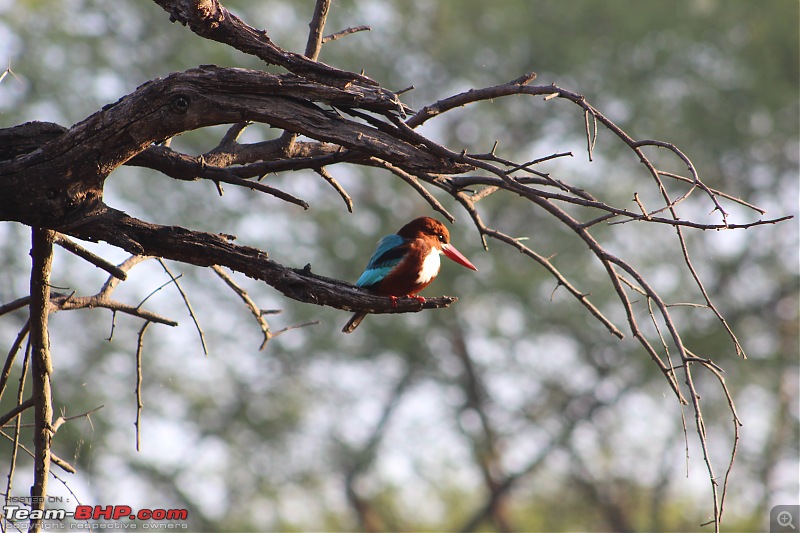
(511, 410)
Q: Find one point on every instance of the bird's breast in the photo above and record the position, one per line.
(417, 269)
(430, 267)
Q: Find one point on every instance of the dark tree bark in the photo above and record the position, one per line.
(54, 178)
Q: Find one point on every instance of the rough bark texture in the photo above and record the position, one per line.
(53, 177)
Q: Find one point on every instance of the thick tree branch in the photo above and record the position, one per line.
(205, 249)
(61, 182)
(209, 19)
(316, 26)
(27, 137)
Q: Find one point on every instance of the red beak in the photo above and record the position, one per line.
(450, 251)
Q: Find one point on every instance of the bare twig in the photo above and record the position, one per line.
(188, 305)
(583, 298)
(316, 26)
(64, 419)
(138, 390)
(68, 244)
(54, 459)
(722, 320)
(249, 303)
(12, 354)
(335, 184)
(8, 71)
(736, 425)
(293, 327)
(471, 96)
(19, 303)
(591, 133)
(260, 187)
(113, 282)
(715, 192)
(414, 182)
(68, 302)
(113, 325)
(18, 424)
(62, 464)
(16, 411)
(345, 32)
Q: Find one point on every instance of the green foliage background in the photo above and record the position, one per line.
(250, 440)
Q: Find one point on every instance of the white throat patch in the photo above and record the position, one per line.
(430, 267)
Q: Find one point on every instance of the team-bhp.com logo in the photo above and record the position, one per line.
(20, 516)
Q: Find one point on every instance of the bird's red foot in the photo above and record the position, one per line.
(420, 299)
(394, 301)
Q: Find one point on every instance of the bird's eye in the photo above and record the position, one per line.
(441, 237)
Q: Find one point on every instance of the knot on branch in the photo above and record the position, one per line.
(198, 15)
(180, 104)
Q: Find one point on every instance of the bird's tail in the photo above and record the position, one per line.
(353, 322)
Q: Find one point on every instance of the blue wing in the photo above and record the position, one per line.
(390, 251)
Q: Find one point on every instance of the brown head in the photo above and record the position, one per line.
(436, 234)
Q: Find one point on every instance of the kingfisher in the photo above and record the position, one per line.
(406, 262)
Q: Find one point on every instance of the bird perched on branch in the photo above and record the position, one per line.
(406, 262)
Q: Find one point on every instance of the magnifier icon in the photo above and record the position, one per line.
(785, 519)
